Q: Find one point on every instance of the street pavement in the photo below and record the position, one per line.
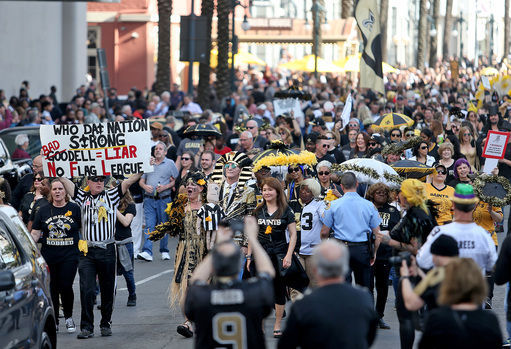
(152, 324)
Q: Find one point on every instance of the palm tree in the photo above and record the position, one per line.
(346, 8)
(447, 29)
(384, 12)
(433, 50)
(162, 82)
(207, 9)
(423, 27)
(222, 68)
(506, 28)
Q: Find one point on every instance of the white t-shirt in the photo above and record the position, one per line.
(310, 225)
(473, 242)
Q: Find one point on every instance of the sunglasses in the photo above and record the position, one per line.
(231, 165)
(321, 173)
(410, 134)
(295, 169)
(441, 172)
(380, 193)
(424, 147)
(186, 159)
(325, 145)
(395, 135)
(39, 179)
(329, 138)
(97, 179)
(250, 127)
(164, 136)
(372, 144)
(466, 134)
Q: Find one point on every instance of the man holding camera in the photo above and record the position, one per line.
(443, 250)
(229, 311)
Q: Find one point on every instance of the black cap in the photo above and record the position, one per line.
(318, 122)
(445, 246)
(437, 165)
(311, 138)
(493, 109)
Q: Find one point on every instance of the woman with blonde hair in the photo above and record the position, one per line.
(467, 148)
(461, 322)
(286, 136)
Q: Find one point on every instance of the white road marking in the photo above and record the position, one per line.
(143, 281)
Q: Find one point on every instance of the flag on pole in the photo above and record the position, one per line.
(346, 112)
(368, 21)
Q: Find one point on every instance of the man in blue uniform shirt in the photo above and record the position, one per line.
(353, 219)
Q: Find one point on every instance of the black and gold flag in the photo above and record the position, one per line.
(368, 21)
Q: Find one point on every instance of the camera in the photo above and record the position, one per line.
(402, 256)
(237, 227)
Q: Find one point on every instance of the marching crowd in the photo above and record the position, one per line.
(256, 230)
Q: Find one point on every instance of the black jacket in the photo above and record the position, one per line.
(503, 269)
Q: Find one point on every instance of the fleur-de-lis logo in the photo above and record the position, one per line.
(368, 23)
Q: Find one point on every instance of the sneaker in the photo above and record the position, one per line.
(507, 343)
(106, 331)
(84, 334)
(165, 256)
(70, 325)
(383, 325)
(132, 301)
(145, 256)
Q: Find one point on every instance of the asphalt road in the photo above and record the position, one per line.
(152, 324)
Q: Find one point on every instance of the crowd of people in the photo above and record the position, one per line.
(237, 217)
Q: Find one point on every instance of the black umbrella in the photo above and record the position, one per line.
(494, 190)
(411, 169)
(202, 130)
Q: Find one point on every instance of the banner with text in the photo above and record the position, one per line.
(288, 105)
(113, 148)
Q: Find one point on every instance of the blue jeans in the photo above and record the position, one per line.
(128, 275)
(154, 211)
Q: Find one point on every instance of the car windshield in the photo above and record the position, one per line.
(34, 142)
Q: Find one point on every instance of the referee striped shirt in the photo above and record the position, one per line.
(92, 228)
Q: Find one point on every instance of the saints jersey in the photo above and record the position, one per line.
(473, 242)
(483, 219)
(230, 316)
(442, 198)
(311, 224)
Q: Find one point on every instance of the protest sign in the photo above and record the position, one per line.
(288, 105)
(494, 149)
(113, 148)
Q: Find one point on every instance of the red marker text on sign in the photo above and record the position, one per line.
(121, 152)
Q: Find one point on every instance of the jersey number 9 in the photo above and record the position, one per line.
(230, 328)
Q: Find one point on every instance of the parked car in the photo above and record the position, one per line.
(8, 135)
(27, 318)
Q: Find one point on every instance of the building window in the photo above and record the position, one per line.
(93, 43)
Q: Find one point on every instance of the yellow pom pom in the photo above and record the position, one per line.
(82, 246)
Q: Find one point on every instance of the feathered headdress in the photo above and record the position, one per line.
(499, 84)
(397, 148)
(304, 158)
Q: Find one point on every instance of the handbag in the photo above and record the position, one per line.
(294, 276)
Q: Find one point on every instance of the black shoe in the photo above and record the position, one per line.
(84, 334)
(488, 304)
(184, 330)
(132, 301)
(106, 331)
(383, 325)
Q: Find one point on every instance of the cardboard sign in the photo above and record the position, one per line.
(288, 105)
(495, 146)
(113, 148)
(455, 73)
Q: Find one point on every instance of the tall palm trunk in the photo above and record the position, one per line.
(384, 12)
(207, 9)
(506, 28)
(447, 29)
(162, 82)
(346, 8)
(318, 16)
(422, 37)
(433, 50)
(222, 69)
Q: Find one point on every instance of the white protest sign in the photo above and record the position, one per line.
(288, 105)
(486, 82)
(494, 149)
(113, 148)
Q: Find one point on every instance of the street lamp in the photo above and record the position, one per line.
(234, 41)
(316, 9)
(460, 24)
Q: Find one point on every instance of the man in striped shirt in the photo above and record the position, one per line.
(98, 210)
